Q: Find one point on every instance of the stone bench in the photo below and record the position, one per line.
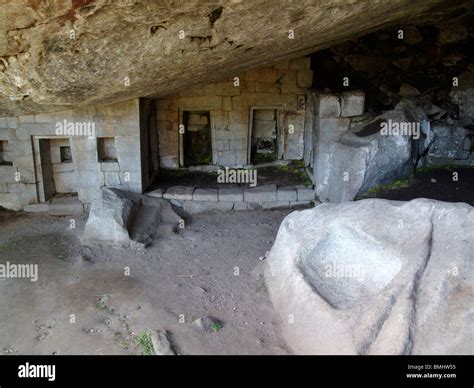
(196, 200)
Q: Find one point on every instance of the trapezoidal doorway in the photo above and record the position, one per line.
(197, 139)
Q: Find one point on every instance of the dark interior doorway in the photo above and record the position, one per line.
(264, 136)
(47, 169)
(197, 142)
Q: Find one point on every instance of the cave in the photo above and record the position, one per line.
(301, 173)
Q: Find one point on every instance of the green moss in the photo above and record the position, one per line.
(398, 184)
(7, 245)
(298, 168)
(434, 167)
(260, 157)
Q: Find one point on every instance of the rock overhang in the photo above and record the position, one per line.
(99, 52)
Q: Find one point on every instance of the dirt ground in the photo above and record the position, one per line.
(84, 303)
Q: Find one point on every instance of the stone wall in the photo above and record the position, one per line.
(280, 87)
(22, 182)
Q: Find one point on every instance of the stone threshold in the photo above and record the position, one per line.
(57, 207)
(195, 200)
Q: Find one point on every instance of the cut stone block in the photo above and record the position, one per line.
(158, 193)
(352, 103)
(112, 178)
(109, 166)
(304, 78)
(184, 193)
(266, 193)
(205, 195)
(302, 63)
(36, 208)
(286, 194)
(231, 195)
(227, 89)
(305, 193)
(327, 105)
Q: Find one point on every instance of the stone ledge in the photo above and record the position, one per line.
(183, 193)
(196, 200)
(231, 194)
(205, 195)
(266, 193)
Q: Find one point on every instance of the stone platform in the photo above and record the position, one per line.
(195, 200)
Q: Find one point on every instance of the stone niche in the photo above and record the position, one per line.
(262, 110)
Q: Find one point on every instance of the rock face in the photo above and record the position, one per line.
(375, 277)
(463, 96)
(88, 52)
(354, 162)
(111, 216)
(451, 144)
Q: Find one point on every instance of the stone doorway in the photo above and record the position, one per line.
(57, 175)
(197, 139)
(263, 147)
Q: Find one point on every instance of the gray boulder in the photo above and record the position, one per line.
(375, 277)
(111, 216)
(363, 158)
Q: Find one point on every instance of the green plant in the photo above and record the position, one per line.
(145, 342)
(216, 326)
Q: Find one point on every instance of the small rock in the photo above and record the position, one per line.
(406, 90)
(433, 180)
(207, 324)
(162, 344)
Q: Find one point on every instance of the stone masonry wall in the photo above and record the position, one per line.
(281, 86)
(21, 184)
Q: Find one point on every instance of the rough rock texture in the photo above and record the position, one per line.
(375, 277)
(463, 96)
(388, 67)
(358, 161)
(84, 52)
(450, 144)
(111, 216)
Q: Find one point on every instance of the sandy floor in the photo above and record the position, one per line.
(84, 303)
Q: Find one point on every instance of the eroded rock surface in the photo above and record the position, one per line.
(111, 217)
(375, 277)
(56, 54)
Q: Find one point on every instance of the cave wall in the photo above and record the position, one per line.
(281, 86)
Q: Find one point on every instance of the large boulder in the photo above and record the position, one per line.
(111, 217)
(363, 158)
(375, 277)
